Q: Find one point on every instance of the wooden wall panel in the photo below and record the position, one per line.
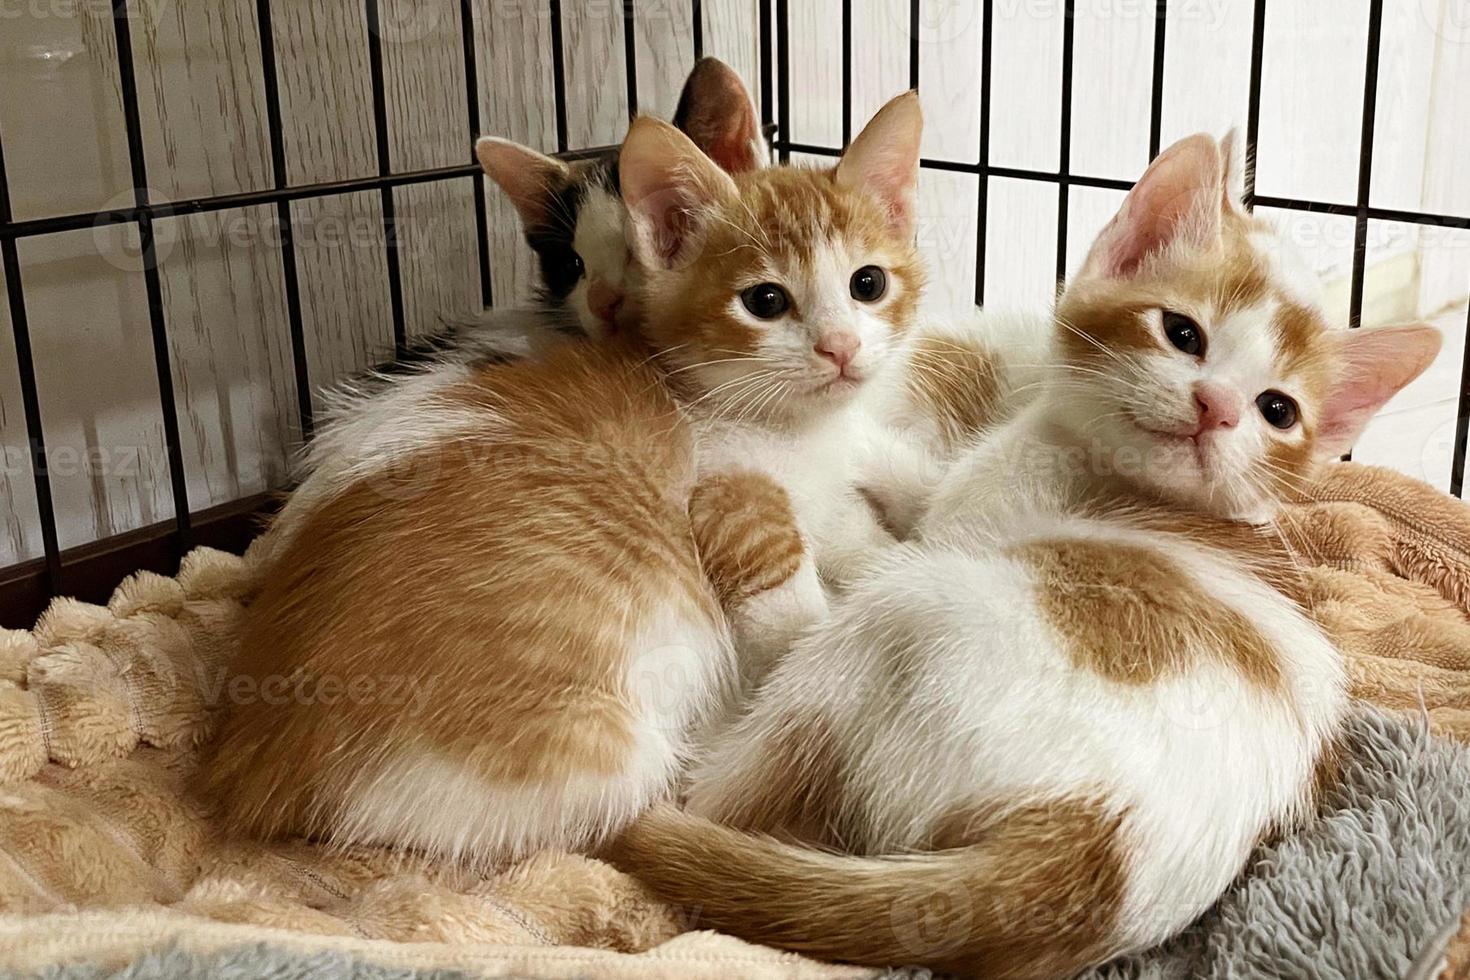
(1112, 66)
(98, 390)
(229, 346)
(20, 527)
(950, 36)
(732, 33)
(60, 112)
(880, 57)
(816, 72)
(663, 32)
(513, 44)
(596, 75)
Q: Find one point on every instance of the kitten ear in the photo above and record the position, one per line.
(1232, 158)
(717, 112)
(1374, 364)
(1180, 197)
(884, 160)
(527, 177)
(670, 188)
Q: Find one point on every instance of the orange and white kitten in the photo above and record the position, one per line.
(493, 625)
(1056, 724)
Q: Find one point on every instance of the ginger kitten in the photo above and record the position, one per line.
(1052, 728)
(518, 544)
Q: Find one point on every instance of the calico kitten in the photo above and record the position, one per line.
(573, 213)
(572, 216)
(517, 546)
(1081, 696)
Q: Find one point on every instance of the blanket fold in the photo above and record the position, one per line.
(104, 852)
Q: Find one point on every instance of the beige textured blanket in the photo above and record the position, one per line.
(104, 853)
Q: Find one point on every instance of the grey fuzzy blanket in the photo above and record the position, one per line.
(1361, 894)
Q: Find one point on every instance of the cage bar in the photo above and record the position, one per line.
(1462, 420)
(29, 393)
(1156, 92)
(1365, 164)
(630, 58)
(558, 76)
(385, 167)
(846, 72)
(982, 171)
(783, 84)
(128, 82)
(289, 274)
(914, 45)
(1253, 101)
(696, 19)
(472, 111)
(1064, 154)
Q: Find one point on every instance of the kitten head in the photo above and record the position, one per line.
(1195, 355)
(776, 292)
(573, 213)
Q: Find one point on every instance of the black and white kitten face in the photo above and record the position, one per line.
(573, 213)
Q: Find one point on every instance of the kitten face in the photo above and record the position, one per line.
(776, 293)
(797, 296)
(1194, 358)
(581, 247)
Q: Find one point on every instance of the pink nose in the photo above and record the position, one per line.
(604, 301)
(1218, 407)
(839, 348)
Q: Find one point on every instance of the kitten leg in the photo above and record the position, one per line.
(754, 555)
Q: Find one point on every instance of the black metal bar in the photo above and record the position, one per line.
(472, 109)
(914, 45)
(983, 171)
(1064, 165)
(289, 276)
(128, 83)
(630, 58)
(1365, 163)
(1462, 421)
(783, 60)
(385, 167)
(697, 20)
(1156, 99)
(1253, 104)
(558, 76)
(30, 399)
(846, 72)
(767, 71)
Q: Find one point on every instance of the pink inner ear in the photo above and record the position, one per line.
(716, 112)
(1376, 364)
(1180, 195)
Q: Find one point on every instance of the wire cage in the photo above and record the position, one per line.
(90, 571)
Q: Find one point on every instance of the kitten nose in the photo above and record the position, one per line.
(839, 348)
(1218, 407)
(603, 300)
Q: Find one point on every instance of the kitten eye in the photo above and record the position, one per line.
(572, 266)
(766, 301)
(868, 284)
(1184, 333)
(1277, 409)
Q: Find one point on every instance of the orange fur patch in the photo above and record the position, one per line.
(746, 534)
(1133, 616)
(954, 383)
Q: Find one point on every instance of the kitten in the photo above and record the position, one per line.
(1077, 701)
(573, 213)
(572, 216)
(488, 627)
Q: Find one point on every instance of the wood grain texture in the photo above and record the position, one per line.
(880, 57)
(596, 73)
(1112, 66)
(816, 72)
(663, 33)
(732, 33)
(98, 391)
(20, 527)
(950, 35)
(513, 46)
